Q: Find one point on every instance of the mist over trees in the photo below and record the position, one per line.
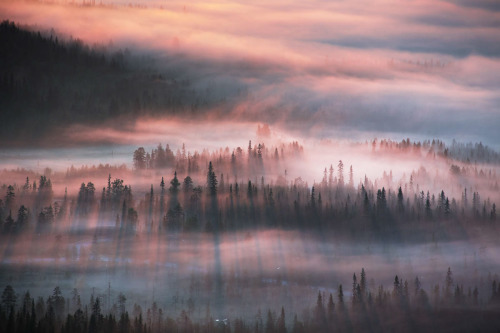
(230, 190)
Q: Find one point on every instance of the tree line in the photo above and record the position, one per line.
(463, 152)
(403, 306)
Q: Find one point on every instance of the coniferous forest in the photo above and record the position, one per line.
(171, 167)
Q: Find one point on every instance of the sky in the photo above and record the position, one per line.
(347, 69)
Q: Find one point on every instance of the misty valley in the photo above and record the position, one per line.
(232, 166)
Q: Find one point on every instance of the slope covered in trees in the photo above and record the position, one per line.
(47, 82)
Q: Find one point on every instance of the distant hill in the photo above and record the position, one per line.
(462, 152)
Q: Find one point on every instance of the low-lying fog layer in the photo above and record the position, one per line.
(266, 269)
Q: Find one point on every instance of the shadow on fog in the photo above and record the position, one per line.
(267, 268)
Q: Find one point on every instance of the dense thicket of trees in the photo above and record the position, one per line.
(406, 306)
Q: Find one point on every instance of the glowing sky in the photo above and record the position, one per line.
(325, 68)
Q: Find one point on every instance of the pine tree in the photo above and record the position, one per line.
(22, 216)
(448, 283)
(313, 199)
(108, 190)
(319, 313)
(140, 158)
(281, 323)
(355, 298)
(9, 298)
(428, 210)
(400, 201)
(162, 184)
(10, 197)
(362, 283)
(174, 185)
(340, 297)
(447, 208)
(211, 180)
(330, 176)
(330, 309)
(366, 204)
(396, 291)
(351, 178)
(340, 167)
(27, 185)
(417, 286)
(270, 327)
(187, 184)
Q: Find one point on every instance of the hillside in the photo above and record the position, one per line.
(46, 84)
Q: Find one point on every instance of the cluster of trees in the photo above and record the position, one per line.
(463, 152)
(403, 306)
(94, 170)
(25, 200)
(257, 160)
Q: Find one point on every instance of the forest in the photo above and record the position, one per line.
(219, 200)
(230, 190)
